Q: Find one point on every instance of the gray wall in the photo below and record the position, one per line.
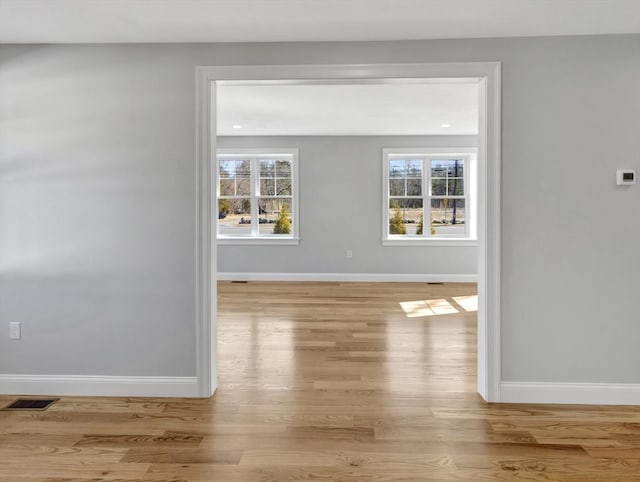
(97, 200)
(340, 203)
(96, 212)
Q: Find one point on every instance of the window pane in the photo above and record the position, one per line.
(235, 176)
(243, 187)
(438, 168)
(227, 187)
(396, 168)
(405, 177)
(455, 168)
(396, 187)
(414, 168)
(448, 216)
(405, 168)
(438, 187)
(414, 187)
(278, 174)
(455, 186)
(283, 186)
(405, 216)
(234, 168)
(275, 216)
(239, 168)
(267, 168)
(283, 168)
(243, 169)
(447, 168)
(267, 187)
(226, 168)
(234, 217)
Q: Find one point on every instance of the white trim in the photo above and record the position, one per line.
(433, 241)
(256, 154)
(350, 277)
(488, 203)
(488, 211)
(425, 155)
(97, 386)
(580, 393)
(426, 151)
(205, 262)
(248, 241)
(257, 151)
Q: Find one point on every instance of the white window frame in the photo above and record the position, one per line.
(426, 155)
(255, 155)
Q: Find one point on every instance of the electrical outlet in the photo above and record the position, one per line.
(14, 330)
(349, 254)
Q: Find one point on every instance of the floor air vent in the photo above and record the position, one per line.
(242, 282)
(434, 283)
(31, 404)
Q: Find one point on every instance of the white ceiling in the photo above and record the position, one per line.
(73, 21)
(391, 107)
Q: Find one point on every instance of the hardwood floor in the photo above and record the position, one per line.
(328, 382)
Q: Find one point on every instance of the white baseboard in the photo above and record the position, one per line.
(353, 277)
(578, 393)
(106, 386)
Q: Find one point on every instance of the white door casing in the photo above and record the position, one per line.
(488, 199)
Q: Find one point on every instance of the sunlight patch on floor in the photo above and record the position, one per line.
(414, 309)
(439, 306)
(467, 303)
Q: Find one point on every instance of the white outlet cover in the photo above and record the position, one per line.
(14, 330)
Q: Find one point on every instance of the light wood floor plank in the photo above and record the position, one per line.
(345, 382)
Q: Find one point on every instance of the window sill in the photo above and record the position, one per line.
(452, 242)
(258, 241)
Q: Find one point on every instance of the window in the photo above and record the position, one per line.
(257, 198)
(427, 196)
